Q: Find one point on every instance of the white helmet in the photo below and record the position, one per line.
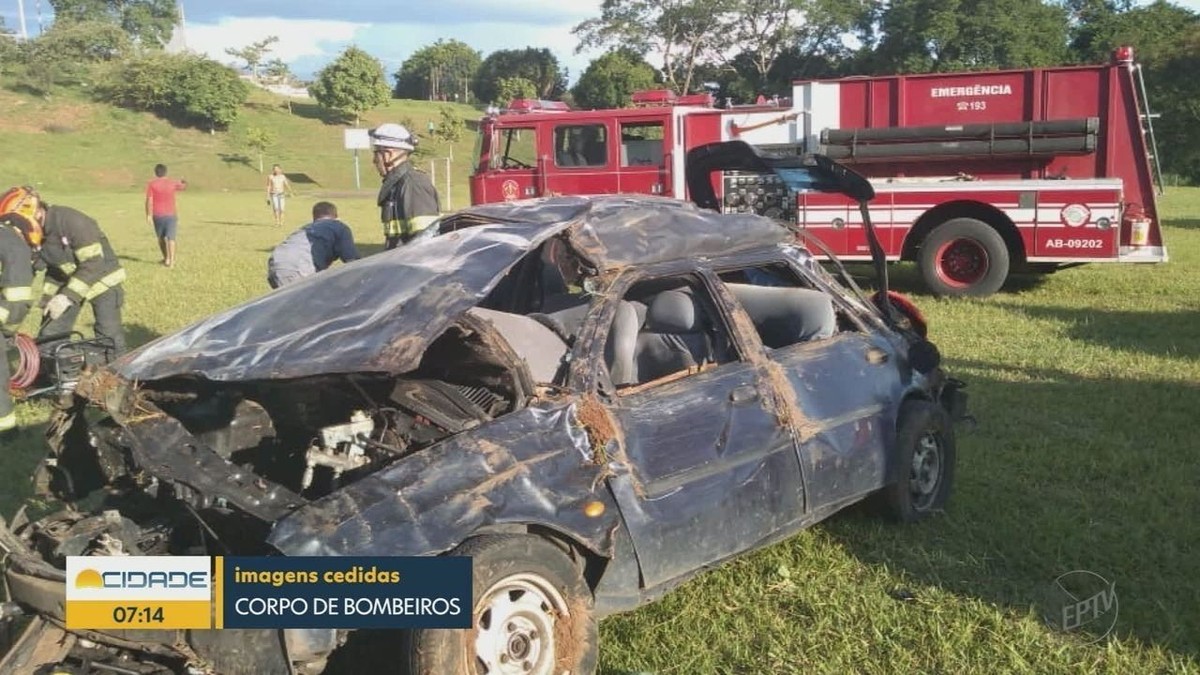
(393, 136)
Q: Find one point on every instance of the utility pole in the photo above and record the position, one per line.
(21, 19)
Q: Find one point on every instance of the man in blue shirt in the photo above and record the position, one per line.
(312, 248)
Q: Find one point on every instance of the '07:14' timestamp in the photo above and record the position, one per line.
(136, 614)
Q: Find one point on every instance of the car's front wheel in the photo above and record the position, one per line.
(532, 615)
(925, 457)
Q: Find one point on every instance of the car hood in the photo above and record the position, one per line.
(377, 314)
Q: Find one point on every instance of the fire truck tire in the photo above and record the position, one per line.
(964, 257)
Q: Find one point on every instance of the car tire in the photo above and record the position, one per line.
(925, 458)
(964, 257)
(532, 608)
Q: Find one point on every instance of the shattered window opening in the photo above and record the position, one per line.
(665, 329)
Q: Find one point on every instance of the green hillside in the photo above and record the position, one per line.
(70, 143)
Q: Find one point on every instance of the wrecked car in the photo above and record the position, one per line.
(594, 397)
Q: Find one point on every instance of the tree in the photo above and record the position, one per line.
(609, 81)
(351, 85)
(443, 69)
(149, 23)
(186, 89)
(1165, 39)
(512, 88)
(450, 126)
(684, 33)
(278, 72)
(210, 94)
(538, 66)
(1174, 91)
(254, 53)
(1155, 31)
(260, 140)
(83, 42)
(947, 35)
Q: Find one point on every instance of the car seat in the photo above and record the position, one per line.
(786, 316)
(675, 336)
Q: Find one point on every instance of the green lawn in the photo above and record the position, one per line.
(68, 143)
(1085, 387)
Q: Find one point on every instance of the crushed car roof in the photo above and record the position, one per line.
(379, 314)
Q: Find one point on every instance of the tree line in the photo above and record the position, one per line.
(741, 49)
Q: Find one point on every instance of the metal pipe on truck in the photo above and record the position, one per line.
(1072, 127)
(1010, 147)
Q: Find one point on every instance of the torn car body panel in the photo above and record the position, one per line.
(531, 467)
(377, 314)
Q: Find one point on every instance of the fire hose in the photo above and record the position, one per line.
(29, 364)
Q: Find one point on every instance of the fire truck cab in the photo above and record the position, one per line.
(976, 174)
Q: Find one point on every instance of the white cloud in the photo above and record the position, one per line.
(298, 38)
(308, 44)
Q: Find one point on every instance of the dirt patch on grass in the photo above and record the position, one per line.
(26, 116)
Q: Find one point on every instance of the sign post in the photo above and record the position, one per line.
(357, 139)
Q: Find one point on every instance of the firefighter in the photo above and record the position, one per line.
(80, 267)
(18, 213)
(408, 201)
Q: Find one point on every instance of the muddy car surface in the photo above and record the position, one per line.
(594, 397)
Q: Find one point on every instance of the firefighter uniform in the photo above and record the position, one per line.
(408, 203)
(81, 265)
(16, 294)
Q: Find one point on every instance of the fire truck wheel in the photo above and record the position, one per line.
(964, 256)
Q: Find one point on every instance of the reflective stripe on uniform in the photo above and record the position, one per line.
(68, 268)
(18, 293)
(418, 223)
(88, 252)
(50, 287)
(392, 228)
(3, 316)
(9, 421)
(111, 280)
(78, 287)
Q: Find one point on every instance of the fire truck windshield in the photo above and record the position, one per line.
(516, 148)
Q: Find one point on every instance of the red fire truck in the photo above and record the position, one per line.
(976, 174)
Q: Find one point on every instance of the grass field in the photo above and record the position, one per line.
(1085, 387)
(68, 142)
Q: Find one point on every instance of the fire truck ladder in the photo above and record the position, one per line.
(1147, 119)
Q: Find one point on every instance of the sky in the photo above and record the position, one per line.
(313, 32)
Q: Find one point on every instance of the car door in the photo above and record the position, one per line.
(708, 470)
(846, 384)
(841, 377)
(644, 151)
(581, 159)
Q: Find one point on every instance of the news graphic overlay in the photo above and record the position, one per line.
(1081, 602)
(344, 592)
(139, 592)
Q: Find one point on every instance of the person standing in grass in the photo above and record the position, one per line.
(18, 214)
(161, 213)
(408, 201)
(277, 186)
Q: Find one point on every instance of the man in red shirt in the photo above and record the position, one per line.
(160, 211)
